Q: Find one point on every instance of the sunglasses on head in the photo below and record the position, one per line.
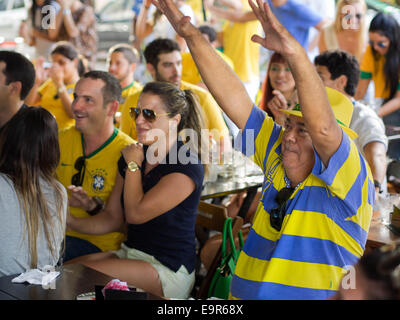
(80, 165)
(277, 214)
(380, 44)
(148, 114)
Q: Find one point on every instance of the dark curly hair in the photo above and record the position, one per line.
(340, 63)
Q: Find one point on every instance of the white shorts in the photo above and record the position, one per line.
(176, 285)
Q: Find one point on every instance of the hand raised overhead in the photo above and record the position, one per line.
(277, 38)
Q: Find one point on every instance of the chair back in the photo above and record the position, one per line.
(211, 216)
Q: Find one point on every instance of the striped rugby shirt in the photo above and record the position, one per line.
(324, 230)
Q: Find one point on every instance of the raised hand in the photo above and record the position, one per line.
(56, 73)
(277, 38)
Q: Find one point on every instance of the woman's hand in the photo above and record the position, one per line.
(56, 74)
(134, 152)
(277, 103)
(80, 199)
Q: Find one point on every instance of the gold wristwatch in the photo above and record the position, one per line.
(133, 166)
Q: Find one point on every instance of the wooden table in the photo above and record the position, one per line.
(74, 279)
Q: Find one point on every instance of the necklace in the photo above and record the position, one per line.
(288, 184)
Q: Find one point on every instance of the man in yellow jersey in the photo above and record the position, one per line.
(237, 44)
(89, 155)
(313, 217)
(122, 60)
(189, 70)
(164, 62)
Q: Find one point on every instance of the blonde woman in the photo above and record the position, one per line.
(33, 204)
(349, 31)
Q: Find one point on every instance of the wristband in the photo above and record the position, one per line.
(66, 11)
(99, 206)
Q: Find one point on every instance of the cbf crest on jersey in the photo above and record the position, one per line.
(98, 179)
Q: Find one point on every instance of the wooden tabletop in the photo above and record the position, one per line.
(73, 280)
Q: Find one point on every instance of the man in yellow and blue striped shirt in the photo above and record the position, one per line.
(324, 227)
(314, 214)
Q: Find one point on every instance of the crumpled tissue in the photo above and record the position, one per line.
(36, 276)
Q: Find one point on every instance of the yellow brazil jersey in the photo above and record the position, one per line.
(212, 112)
(129, 91)
(191, 74)
(197, 9)
(239, 47)
(325, 223)
(50, 100)
(372, 68)
(126, 92)
(99, 177)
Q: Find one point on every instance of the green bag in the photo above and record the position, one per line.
(221, 281)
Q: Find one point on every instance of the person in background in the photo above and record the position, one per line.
(349, 30)
(294, 15)
(42, 27)
(79, 27)
(381, 64)
(151, 24)
(376, 276)
(326, 9)
(33, 204)
(159, 253)
(189, 70)
(235, 40)
(17, 76)
(56, 93)
(89, 154)
(341, 71)
(278, 89)
(122, 60)
(191, 75)
(314, 214)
